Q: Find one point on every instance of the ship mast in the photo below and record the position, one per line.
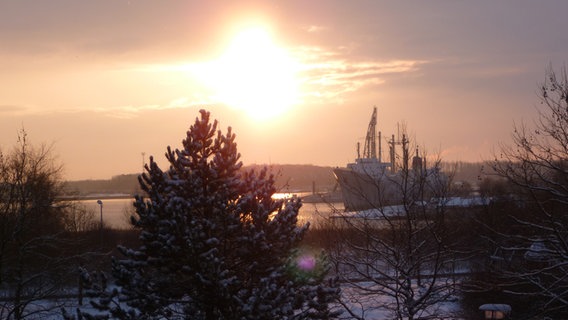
(370, 148)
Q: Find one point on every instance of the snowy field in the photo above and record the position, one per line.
(374, 307)
(371, 307)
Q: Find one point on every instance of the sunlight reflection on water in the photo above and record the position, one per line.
(116, 212)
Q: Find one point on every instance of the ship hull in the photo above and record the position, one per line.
(363, 191)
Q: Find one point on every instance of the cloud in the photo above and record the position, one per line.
(315, 29)
(331, 74)
(12, 109)
(120, 112)
(130, 112)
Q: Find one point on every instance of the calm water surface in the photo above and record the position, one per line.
(116, 212)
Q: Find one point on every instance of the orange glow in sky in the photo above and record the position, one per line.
(105, 81)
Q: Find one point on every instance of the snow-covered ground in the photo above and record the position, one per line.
(370, 306)
(374, 306)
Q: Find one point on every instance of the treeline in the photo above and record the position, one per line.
(294, 178)
(289, 178)
(120, 184)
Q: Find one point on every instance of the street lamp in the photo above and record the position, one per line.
(101, 204)
(101, 227)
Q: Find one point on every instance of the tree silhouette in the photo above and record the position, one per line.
(536, 164)
(215, 244)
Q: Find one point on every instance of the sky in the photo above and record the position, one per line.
(108, 83)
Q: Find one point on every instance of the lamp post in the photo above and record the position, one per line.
(101, 226)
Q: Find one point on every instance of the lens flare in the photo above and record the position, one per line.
(306, 265)
(306, 262)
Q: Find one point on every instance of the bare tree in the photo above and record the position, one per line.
(536, 163)
(397, 259)
(30, 226)
(78, 218)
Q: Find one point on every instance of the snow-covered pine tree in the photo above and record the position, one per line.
(215, 244)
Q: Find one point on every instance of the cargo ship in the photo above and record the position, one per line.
(370, 182)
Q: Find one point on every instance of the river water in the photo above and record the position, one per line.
(116, 212)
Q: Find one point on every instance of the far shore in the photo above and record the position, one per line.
(96, 196)
(308, 198)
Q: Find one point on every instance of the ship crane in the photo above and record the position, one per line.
(370, 148)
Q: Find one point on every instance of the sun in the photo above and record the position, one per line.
(254, 75)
